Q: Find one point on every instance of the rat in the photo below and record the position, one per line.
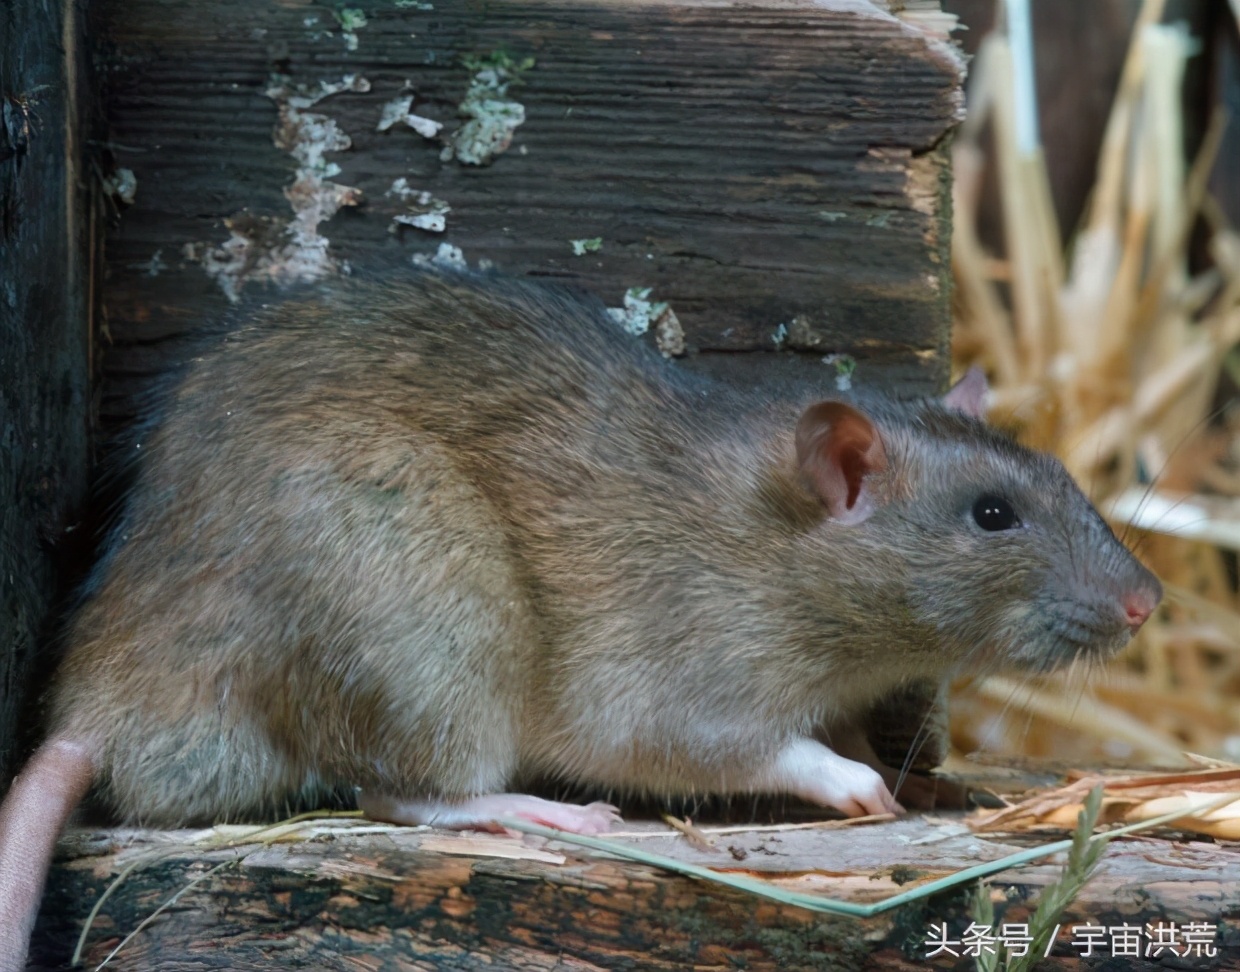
(435, 536)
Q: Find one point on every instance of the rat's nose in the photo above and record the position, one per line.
(1138, 606)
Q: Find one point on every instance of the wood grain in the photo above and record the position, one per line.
(382, 901)
(45, 297)
(751, 163)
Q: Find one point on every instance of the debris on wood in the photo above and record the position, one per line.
(1130, 799)
(845, 366)
(351, 20)
(288, 251)
(493, 115)
(669, 336)
(123, 185)
(582, 247)
(448, 257)
(400, 111)
(801, 335)
(425, 212)
(638, 312)
(692, 833)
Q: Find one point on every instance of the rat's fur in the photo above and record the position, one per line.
(438, 536)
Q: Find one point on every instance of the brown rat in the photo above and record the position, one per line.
(437, 537)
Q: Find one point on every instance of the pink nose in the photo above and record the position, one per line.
(1138, 606)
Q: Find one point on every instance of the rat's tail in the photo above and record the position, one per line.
(31, 818)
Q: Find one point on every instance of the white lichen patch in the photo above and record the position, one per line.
(123, 185)
(394, 111)
(400, 111)
(801, 335)
(582, 247)
(308, 137)
(447, 256)
(152, 267)
(293, 250)
(303, 97)
(426, 127)
(254, 250)
(314, 30)
(424, 211)
(640, 313)
(780, 337)
(493, 115)
(351, 20)
(635, 315)
(845, 365)
(487, 134)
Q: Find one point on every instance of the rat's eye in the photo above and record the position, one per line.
(994, 513)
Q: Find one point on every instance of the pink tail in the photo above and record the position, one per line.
(31, 818)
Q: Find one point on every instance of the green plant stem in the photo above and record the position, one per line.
(834, 906)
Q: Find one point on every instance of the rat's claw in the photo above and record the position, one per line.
(873, 797)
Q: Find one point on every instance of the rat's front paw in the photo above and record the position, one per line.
(813, 772)
(856, 791)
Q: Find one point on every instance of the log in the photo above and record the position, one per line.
(755, 164)
(413, 898)
(46, 275)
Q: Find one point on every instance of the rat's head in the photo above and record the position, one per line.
(1000, 557)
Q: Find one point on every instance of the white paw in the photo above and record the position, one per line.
(815, 773)
(856, 791)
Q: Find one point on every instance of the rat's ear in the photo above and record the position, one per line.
(837, 448)
(968, 395)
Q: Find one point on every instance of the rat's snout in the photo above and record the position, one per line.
(1139, 605)
(1139, 593)
(1100, 611)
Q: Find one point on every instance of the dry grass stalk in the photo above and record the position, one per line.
(1110, 354)
(1130, 799)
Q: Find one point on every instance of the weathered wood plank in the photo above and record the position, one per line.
(44, 330)
(752, 163)
(401, 900)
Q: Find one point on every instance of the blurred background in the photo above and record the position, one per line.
(1097, 269)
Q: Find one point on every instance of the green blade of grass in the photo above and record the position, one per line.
(825, 905)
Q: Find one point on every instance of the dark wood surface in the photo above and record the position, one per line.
(45, 296)
(419, 899)
(750, 162)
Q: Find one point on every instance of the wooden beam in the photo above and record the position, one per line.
(420, 899)
(45, 300)
(755, 164)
